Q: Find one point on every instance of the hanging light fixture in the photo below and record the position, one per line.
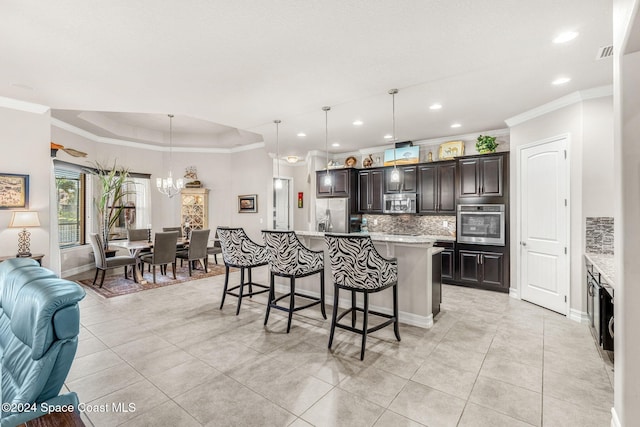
(168, 186)
(395, 174)
(278, 183)
(327, 177)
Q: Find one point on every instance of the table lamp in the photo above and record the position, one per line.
(24, 219)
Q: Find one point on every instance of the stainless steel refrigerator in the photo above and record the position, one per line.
(332, 215)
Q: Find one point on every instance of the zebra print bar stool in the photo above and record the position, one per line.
(288, 257)
(239, 251)
(357, 266)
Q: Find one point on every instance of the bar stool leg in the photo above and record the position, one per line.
(364, 323)
(353, 309)
(250, 287)
(241, 288)
(396, 328)
(271, 297)
(324, 313)
(335, 314)
(292, 301)
(226, 282)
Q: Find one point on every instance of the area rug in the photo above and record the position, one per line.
(116, 285)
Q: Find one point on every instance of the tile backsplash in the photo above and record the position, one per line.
(599, 235)
(412, 224)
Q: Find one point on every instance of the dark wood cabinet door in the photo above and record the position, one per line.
(491, 172)
(447, 264)
(428, 188)
(340, 181)
(470, 266)
(447, 188)
(469, 177)
(364, 177)
(409, 179)
(376, 186)
(391, 187)
(321, 189)
(492, 268)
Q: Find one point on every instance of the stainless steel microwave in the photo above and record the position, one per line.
(399, 203)
(481, 224)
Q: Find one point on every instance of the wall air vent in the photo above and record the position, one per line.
(604, 52)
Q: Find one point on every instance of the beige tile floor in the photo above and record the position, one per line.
(489, 360)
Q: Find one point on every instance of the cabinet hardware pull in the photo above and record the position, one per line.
(481, 259)
(478, 259)
(611, 327)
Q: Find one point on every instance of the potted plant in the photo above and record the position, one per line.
(111, 201)
(486, 144)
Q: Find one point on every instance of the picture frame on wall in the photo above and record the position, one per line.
(14, 191)
(248, 203)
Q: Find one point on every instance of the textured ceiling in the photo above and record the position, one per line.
(227, 69)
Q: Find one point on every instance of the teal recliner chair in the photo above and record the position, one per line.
(39, 326)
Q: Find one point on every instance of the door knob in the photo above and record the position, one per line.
(523, 243)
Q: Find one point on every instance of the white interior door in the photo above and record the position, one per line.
(543, 219)
(281, 206)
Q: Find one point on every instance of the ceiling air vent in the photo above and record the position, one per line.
(604, 52)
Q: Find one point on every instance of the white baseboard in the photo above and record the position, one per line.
(77, 270)
(514, 293)
(404, 317)
(579, 316)
(615, 421)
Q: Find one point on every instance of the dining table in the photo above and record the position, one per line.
(136, 246)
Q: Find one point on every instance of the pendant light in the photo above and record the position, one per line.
(278, 183)
(395, 174)
(167, 186)
(327, 177)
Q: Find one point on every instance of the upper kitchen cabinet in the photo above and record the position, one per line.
(342, 181)
(437, 188)
(483, 177)
(408, 180)
(370, 190)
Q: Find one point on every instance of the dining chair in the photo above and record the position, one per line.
(356, 266)
(216, 248)
(239, 251)
(135, 234)
(197, 249)
(289, 258)
(103, 263)
(164, 253)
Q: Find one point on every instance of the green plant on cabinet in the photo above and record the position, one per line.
(486, 144)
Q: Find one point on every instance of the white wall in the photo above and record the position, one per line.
(24, 138)
(626, 78)
(589, 126)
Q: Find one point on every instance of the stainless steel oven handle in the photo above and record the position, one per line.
(611, 327)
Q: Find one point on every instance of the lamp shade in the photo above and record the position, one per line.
(23, 219)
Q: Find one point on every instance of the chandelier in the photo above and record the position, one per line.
(168, 186)
(395, 174)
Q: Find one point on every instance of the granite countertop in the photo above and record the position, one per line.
(603, 264)
(391, 238)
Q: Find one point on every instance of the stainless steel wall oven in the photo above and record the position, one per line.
(481, 224)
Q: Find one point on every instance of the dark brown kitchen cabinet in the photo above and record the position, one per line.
(437, 188)
(482, 268)
(341, 183)
(408, 180)
(481, 176)
(370, 190)
(448, 257)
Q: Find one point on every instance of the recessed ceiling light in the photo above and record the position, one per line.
(561, 81)
(302, 134)
(358, 123)
(435, 107)
(456, 125)
(335, 144)
(387, 136)
(565, 37)
(292, 159)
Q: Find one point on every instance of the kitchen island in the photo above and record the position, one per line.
(418, 275)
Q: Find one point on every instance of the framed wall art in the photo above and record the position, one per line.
(450, 150)
(14, 191)
(248, 203)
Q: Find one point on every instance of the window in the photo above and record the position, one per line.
(70, 186)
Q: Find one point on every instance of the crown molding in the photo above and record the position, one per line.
(565, 101)
(122, 142)
(29, 107)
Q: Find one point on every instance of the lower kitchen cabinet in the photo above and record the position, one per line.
(448, 260)
(485, 268)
